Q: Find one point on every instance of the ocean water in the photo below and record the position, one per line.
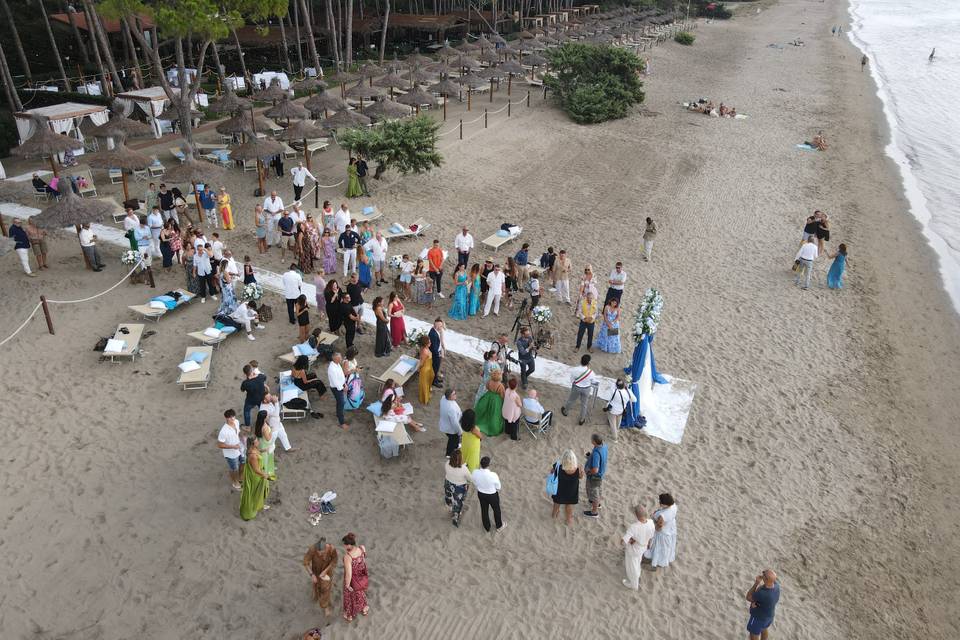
(921, 100)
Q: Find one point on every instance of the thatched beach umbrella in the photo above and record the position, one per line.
(271, 93)
(447, 52)
(72, 210)
(441, 68)
(309, 85)
(536, 60)
(194, 171)
(288, 110)
(361, 91)
(388, 109)
(446, 88)
(473, 81)
(44, 143)
(301, 130)
(390, 81)
(416, 98)
(342, 78)
(344, 120)
(513, 68)
(370, 70)
(483, 43)
(240, 123)
(254, 148)
(122, 126)
(526, 35)
(120, 157)
(464, 62)
(496, 38)
(325, 102)
(489, 55)
(493, 74)
(419, 76)
(417, 59)
(230, 103)
(467, 47)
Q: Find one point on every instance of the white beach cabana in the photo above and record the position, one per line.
(264, 79)
(152, 101)
(62, 118)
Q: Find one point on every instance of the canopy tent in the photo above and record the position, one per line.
(152, 101)
(65, 117)
(264, 79)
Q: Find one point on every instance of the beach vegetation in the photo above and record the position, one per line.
(716, 10)
(409, 146)
(595, 83)
(685, 37)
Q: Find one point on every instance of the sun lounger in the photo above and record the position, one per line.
(288, 392)
(496, 241)
(119, 213)
(289, 152)
(90, 188)
(156, 169)
(178, 153)
(369, 214)
(154, 311)
(116, 176)
(207, 147)
(199, 378)
(273, 126)
(125, 342)
(408, 232)
(325, 338)
(250, 165)
(209, 340)
(313, 144)
(401, 371)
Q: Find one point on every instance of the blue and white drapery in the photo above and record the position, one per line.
(643, 374)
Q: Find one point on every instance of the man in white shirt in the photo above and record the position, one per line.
(292, 288)
(616, 281)
(450, 413)
(88, 244)
(130, 224)
(805, 257)
(533, 411)
(271, 404)
(199, 240)
(464, 245)
(341, 219)
(581, 388)
(298, 214)
(233, 268)
(155, 222)
(230, 442)
(635, 541)
(217, 246)
(488, 492)
(496, 283)
(300, 175)
(245, 315)
(337, 382)
(272, 206)
(377, 246)
(622, 396)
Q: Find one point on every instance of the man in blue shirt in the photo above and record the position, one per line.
(763, 598)
(522, 260)
(286, 224)
(208, 200)
(21, 245)
(596, 469)
(526, 355)
(348, 241)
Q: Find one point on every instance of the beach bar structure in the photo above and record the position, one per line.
(437, 26)
(151, 101)
(61, 118)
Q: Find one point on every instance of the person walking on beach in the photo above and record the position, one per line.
(763, 597)
(231, 444)
(456, 481)
(635, 542)
(300, 174)
(863, 63)
(356, 579)
(488, 492)
(835, 275)
(581, 387)
(805, 257)
(21, 245)
(562, 275)
(292, 288)
(568, 472)
(596, 469)
(663, 547)
(450, 414)
(321, 561)
(649, 235)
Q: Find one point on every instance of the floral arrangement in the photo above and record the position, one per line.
(541, 313)
(413, 338)
(130, 258)
(648, 315)
(252, 291)
(395, 262)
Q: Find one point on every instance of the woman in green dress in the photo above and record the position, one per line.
(266, 443)
(256, 485)
(489, 407)
(353, 182)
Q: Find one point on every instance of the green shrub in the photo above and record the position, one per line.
(594, 83)
(685, 37)
(409, 146)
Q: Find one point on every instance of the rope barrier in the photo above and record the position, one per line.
(25, 322)
(122, 280)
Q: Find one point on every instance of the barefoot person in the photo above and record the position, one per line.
(321, 561)
(635, 541)
(763, 597)
(355, 578)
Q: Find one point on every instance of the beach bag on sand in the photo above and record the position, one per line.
(101, 344)
(265, 312)
(553, 479)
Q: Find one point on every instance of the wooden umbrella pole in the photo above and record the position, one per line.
(260, 174)
(491, 90)
(469, 94)
(306, 154)
(53, 166)
(444, 107)
(196, 196)
(123, 179)
(86, 260)
(509, 84)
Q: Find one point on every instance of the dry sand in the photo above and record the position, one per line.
(820, 442)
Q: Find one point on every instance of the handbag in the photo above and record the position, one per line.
(553, 479)
(613, 332)
(265, 312)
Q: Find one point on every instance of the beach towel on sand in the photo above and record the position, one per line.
(806, 147)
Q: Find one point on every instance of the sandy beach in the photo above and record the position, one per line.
(821, 440)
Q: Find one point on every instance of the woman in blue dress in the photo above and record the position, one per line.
(608, 339)
(458, 310)
(835, 275)
(473, 307)
(228, 297)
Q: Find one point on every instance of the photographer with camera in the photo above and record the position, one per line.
(526, 355)
(622, 396)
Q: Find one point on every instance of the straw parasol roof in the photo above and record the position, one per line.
(120, 125)
(467, 63)
(239, 124)
(230, 102)
(489, 55)
(391, 80)
(362, 91)
(526, 35)
(386, 109)
(309, 84)
(491, 73)
(300, 129)
(342, 77)
(254, 148)
(416, 98)
(345, 119)
(44, 142)
(497, 39)
(446, 87)
(194, 171)
(417, 58)
(120, 157)
(371, 70)
(482, 42)
(271, 93)
(442, 68)
(419, 75)
(467, 47)
(507, 50)
(474, 81)
(513, 67)
(535, 60)
(287, 109)
(72, 210)
(325, 101)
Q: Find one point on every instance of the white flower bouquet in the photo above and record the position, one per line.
(395, 262)
(252, 291)
(541, 313)
(648, 315)
(413, 338)
(130, 258)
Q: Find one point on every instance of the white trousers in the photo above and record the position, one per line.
(563, 290)
(279, 433)
(24, 255)
(631, 563)
(154, 242)
(492, 299)
(349, 260)
(245, 322)
(647, 248)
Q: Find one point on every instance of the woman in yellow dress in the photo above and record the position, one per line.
(426, 369)
(226, 212)
(470, 441)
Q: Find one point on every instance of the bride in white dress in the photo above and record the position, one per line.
(663, 547)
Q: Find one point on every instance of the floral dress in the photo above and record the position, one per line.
(329, 255)
(606, 342)
(228, 298)
(354, 602)
(193, 282)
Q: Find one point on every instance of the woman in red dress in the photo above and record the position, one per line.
(398, 329)
(355, 578)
